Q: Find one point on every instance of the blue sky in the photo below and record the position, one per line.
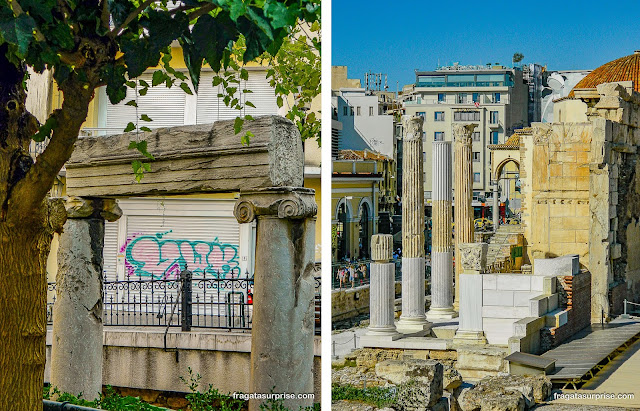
(400, 36)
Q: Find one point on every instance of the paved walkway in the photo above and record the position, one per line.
(620, 376)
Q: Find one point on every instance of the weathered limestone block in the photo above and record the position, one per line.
(566, 265)
(473, 256)
(451, 378)
(419, 381)
(202, 158)
(506, 392)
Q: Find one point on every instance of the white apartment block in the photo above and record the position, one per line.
(493, 97)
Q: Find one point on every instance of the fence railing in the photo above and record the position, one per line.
(203, 302)
(350, 275)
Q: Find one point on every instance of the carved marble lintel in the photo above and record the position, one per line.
(462, 132)
(473, 256)
(283, 202)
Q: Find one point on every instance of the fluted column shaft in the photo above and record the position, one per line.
(496, 206)
(413, 268)
(464, 195)
(382, 289)
(441, 244)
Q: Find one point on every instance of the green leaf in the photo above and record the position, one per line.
(211, 37)
(158, 78)
(131, 103)
(279, 14)
(244, 74)
(248, 117)
(185, 87)
(19, 32)
(143, 91)
(143, 83)
(237, 125)
(145, 128)
(250, 104)
(145, 117)
(129, 127)
(193, 60)
(279, 101)
(246, 139)
(115, 79)
(45, 130)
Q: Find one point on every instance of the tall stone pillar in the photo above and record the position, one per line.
(283, 308)
(382, 289)
(441, 250)
(473, 260)
(464, 195)
(496, 206)
(76, 351)
(412, 319)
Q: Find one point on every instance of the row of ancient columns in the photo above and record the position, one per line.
(414, 320)
(283, 311)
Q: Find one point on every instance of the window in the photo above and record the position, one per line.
(466, 116)
(439, 116)
(358, 111)
(494, 137)
(476, 136)
(371, 110)
(424, 156)
(352, 111)
(438, 136)
(475, 97)
(476, 156)
(461, 98)
(496, 97)
(421, 114)
(442, 97)
(476, 177)
(493, 117)
(345, 111)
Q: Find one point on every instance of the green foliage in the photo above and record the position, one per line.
(378, 396)
(518, 57)
(210, 399)
(109, 400)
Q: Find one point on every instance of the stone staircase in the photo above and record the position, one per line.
(499, 244)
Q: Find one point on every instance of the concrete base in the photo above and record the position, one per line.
(408, 343)
(445, 331)
(469, 337)
(371, 340)
(445, 313)
(415, 327)
(383, 332)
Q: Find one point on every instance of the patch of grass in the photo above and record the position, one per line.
(378, 396)
(109, 400)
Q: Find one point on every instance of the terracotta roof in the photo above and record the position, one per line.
(623, 69)
(512, 143)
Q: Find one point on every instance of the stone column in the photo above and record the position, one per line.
(473, 259)
(464, 195)
(496, 206)
(76, 350)
(412, 319)
(283, 298)
(382, 289)
(441, 250)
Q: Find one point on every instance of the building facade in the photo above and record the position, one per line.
(495, 98)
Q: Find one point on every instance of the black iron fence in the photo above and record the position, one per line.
(202, 302)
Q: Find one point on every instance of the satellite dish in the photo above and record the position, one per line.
(556, 82)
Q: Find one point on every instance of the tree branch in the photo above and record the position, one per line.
(29, 192)
(115, 32)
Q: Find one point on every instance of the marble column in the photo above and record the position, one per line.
(463, 210)
(473, 260)
(413, 319)
(496, 206)
(382, 292)
(283, 297)
(76, 350)
(441, 250)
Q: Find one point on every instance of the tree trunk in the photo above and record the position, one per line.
(24, 248)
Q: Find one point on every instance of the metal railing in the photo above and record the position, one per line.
(343, 277)
(203, 302)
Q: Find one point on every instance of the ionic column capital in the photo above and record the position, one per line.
(412, 126)
(283, 202)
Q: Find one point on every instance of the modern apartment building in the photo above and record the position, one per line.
(496, 98)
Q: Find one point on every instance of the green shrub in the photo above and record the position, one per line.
(378, 396)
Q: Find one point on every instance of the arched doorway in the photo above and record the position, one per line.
(342, 230)
(507, 183)
(365, 231)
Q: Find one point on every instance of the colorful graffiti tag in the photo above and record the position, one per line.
(164, 258)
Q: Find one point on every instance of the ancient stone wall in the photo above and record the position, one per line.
(581, 194)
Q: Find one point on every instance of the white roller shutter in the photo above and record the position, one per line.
(164, 105)
(211, 108)
(110, 250)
